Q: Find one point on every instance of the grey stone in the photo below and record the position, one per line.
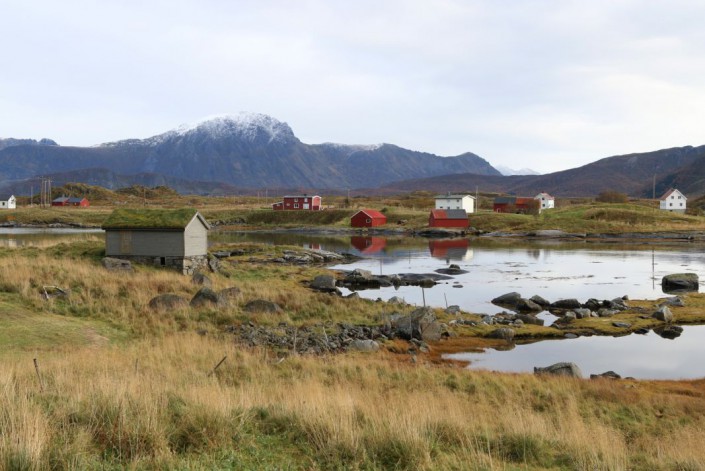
(680, 282)
(396, 300)
(324, 283)
(675, 301)
(624, 325)
(663, 313)
(582, 313)
(527, 305)
(207, 297)
(607, 375)
(570, 336)
(604, 312)
(200, 279)
(168, 301)
(668, 331)
(539, 300)
(454, 309)
(529, 319)
(262, 305)
(364, 345)
(518, 323)
(561, 369)
(566, 304)
(508, 299)
(116, 264)
(504, 333)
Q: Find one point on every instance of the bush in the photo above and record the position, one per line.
(611, 197)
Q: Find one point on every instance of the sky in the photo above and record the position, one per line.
(540, 84)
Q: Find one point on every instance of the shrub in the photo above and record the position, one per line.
(611, 197)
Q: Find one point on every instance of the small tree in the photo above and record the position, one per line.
(612, 196)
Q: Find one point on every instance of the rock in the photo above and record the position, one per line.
(207, 297)
(360, 274)
(569, 316)
(454, 309)
(518, 323)
(222, 254)
(324, 283)
(529, 319)
(641, 331)
(604, 312)
(566, 304)
(504, 333)
(213, 263)
(676, 301)
(669, 331)
(427, 283)
(561, 369)
(262, 305)
(622, 325)
(582, 313)
(540, 301)
(353, 295)
(570, 336)
(607, 374)
(527, 305)
(396, 300)
(453, 269)
(199, 278)
(592, 304)
(116, 264)
(364, 345)
(230, 294)
(425, 323)
(663, 314)
(509, 299)
(680, 282)
(167, 301)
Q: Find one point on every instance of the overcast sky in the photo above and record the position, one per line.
(542, 84)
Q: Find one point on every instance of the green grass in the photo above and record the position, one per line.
(23, 329)
(149, 218)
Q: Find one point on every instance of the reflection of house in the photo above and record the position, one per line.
(514, 204)
(299, 203)
(8, 202)
(67, 201)
(448, 218)
(368, 218)
(172, 238)
(674, 201)
(450, 249)
(454, 201)
(368, 245)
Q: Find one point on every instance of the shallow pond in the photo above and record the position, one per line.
(549, 268)
(39, 237)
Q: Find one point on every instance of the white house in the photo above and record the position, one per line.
(450, 201)
(547, 201)
(8, 202)
(674, 201)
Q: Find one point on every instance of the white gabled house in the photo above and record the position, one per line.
(547, 201)
(8, 202)
(674, 201)
(456, 201)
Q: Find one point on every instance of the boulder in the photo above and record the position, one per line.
(262, 305)
(504, 333)
(680, 282)
(508, 299)
(421, 324)
(663, 313)
(540, 301)
(582, 313)
(622, 325)
(364, 346)
(168, 301)
(561, 369)
(676, 301)
(607, 374)
(529, 319)
(200, 279)
(207, 297)
(324, 283)
(592, 304)
(566, 304)
(396, 300)
(604, 312)
(360, 275)
(454, 309)
(116, 264)
(527, 305)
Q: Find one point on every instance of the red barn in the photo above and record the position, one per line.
(298, 203)
(454, 249)
(448, 218)
(514, 204)
(66, 201)
(368, 218)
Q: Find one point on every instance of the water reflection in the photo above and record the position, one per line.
(640, 356)
(450, 249)
(44, 237)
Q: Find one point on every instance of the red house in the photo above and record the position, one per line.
(448, 218)
(298, 203)
(514, 204)
(368, 218)
(67, 201)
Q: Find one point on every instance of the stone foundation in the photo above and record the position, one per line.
(186, 265)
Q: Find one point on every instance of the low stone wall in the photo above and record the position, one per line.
(186, 265)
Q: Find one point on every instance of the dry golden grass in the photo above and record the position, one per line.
(154, 404)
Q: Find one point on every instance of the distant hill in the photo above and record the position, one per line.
(244, 151)
(506, 171)
(633, 174)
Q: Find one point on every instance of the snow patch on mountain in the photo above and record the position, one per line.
(506, 171)
(350, 149)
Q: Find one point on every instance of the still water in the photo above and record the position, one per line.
(40, 237)
(549, 268)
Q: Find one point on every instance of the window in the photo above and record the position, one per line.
(670, 204)
(368, 221)
(681, 204)
(296, 199)
(162, 261)
(296, 205)
(679, 197)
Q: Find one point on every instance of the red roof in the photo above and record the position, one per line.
(449, 214)
(372, 213)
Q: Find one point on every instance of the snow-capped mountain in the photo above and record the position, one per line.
(506, 171)
(246, 150)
